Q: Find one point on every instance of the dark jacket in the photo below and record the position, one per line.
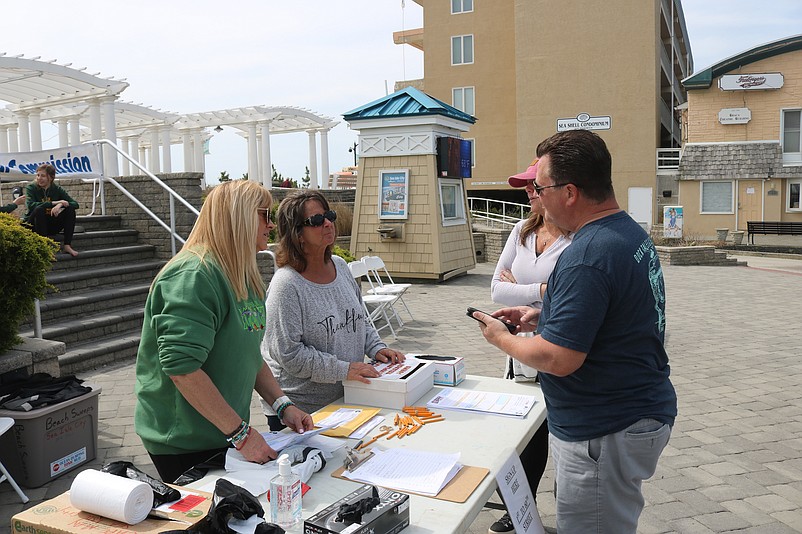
(36, 196)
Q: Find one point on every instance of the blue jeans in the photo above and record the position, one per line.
(599, 481)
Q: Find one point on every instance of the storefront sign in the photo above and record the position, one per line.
(583, 121)
(747, 82)
(734, 116)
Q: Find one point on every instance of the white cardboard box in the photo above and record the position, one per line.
(448, 370)
(392, 393)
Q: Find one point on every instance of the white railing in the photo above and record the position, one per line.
(497, 211)
(668, 158)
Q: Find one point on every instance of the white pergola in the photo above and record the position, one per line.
(86, 106)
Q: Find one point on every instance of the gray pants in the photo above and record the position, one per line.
(599, 481)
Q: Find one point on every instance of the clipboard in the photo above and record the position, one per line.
(343, 431)
(457, 490)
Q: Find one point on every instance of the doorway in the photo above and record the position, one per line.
(639, 206)
(750, 205)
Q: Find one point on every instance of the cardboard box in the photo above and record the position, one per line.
(48, 442)
(58, 516)
(392, 393)
(391, 515)
(448, 370)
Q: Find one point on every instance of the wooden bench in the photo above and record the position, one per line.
(772, 228)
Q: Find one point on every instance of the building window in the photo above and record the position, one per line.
(462, 50)
(791, 138)
(461, 6)
(795, 195)
(451, 202)
(717, 197)
(462, 99)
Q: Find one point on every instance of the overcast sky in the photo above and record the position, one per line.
(329, 57)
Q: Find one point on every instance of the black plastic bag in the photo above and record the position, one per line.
(230, 501)
(162, 493)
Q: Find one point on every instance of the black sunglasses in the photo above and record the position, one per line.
(317, 220)
(266, 214)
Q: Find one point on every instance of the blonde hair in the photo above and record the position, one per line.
(226, 230)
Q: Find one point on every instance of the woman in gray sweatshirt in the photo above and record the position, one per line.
(316, 333)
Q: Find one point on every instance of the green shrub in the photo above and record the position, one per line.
(343, 253)
(25, 258)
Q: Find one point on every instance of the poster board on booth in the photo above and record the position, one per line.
(394, 194)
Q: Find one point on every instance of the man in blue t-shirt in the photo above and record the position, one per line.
(603, 368)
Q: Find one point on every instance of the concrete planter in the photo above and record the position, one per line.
(737, 237)
(721, 234)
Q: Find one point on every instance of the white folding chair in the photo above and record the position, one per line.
(375, 264)
(380, 302)
(5, 424)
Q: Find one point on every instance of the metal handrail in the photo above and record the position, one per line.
(173, 194)
(507, 213)
(668, 158)
(37, 330)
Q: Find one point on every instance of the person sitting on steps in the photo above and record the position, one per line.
(50, 208)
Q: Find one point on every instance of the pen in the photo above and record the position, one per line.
(359, 444)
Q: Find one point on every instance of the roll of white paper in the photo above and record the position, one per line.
(112, 496)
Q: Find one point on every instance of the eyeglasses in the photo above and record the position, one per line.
(266, 214)
(318, 220)
(539, 188)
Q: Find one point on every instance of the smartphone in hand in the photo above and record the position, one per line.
(511, 327)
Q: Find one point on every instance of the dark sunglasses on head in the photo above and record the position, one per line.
(317, 220)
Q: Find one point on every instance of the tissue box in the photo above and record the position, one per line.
(389, 517)
(58, 516)
(392, 393)
(449, 372)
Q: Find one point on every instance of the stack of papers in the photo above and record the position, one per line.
(483, 401)
(421, 472)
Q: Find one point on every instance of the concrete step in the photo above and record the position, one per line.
(84, 241)
(94, 354)
(91, 223)
(105, 256)
(92, 327)
(68, 282)
(56, 308)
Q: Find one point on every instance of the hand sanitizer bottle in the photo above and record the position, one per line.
(285, 496)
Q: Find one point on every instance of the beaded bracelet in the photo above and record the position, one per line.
(240, 435)
(241, 443)
(239, 429)
(282, 409)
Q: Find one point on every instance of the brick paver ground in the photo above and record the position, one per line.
(734, 462)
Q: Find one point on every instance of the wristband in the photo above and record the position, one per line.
(279, 401)
(241, 443)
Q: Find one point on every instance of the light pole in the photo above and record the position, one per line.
(353, 149)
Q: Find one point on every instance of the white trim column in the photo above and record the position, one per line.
(312, 160)
(197, 149)
(143, 154)
(13, 138)
(133, 151)
(265, 163)
(253, 151)
(24, 132)
(4, 139)
(126, 166)
(63, 133)
(95, 124)
(153, 164)
(75, 130)
(35, 120)
(167, 163)
(186, 141)
(324, 159)
(110, 161)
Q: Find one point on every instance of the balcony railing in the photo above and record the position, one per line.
(497, 212)
(668, 158)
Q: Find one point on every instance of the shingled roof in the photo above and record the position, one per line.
(740, 161)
